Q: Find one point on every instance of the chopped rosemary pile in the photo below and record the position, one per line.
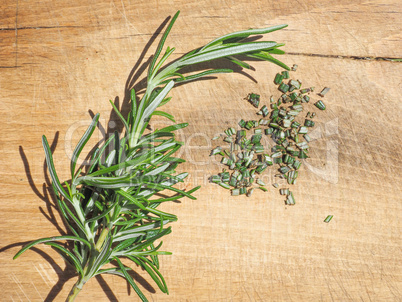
(111, 208)
(246, 156)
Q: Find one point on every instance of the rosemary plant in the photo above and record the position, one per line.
(111, 208)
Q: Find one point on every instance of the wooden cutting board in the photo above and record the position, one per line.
(61, 59)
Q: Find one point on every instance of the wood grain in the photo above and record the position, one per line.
(60, 59)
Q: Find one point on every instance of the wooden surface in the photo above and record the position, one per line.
(59, 59)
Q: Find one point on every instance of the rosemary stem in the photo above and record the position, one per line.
(75, 290)
(101, 239)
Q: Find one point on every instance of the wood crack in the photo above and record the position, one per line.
(366, 58)
(39, 27)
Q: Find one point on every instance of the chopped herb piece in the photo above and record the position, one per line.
(264, 111)
(328, 219)
(224, 185)
(324, 91)
(268, 131)
(276, 154)
(278, 78)
(263, 189)
(303, 130)
(250, 192)
(285, 99)
(302, 145)
(290, 200)
(261, 168)
(275, 185)
(228, 139)
(320, 105)
(268, 160)
(294, 67)
(283, 88)
(286, 123)
(294, 83)
(256, 138)
(302, 154)
(309, 123)
(259, 148)
(295, 124)
(296, 164)
(242, 123)
(225, 176)
(216, 151)
(298, 107)
(249, 125)
(216, 179)
(284, 191)
(307, 137)
(235, 192)
(285, 74)
(233, 181)
(294, 112)
(254, 99)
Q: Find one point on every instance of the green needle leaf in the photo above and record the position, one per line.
(161, 43)
(56, 238)
(244, 34)
(84, 139)
(69, 255)
(130, 280)
(52, 171)
(230, 51)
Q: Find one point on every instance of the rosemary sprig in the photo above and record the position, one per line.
(111, 209)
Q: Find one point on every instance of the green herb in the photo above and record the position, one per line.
(216, 178)
(250, 191)
(291, 199)
(320, 105)
(324, 91)
(264, 111)
(278, 78)
(328, 219)
(286, 132)
(283, 87)
(309, 123)
(217, 150)
(111, 210)
(254, 99)
(235, 192)
(224, 185)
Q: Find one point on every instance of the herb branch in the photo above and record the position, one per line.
(111, 209)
